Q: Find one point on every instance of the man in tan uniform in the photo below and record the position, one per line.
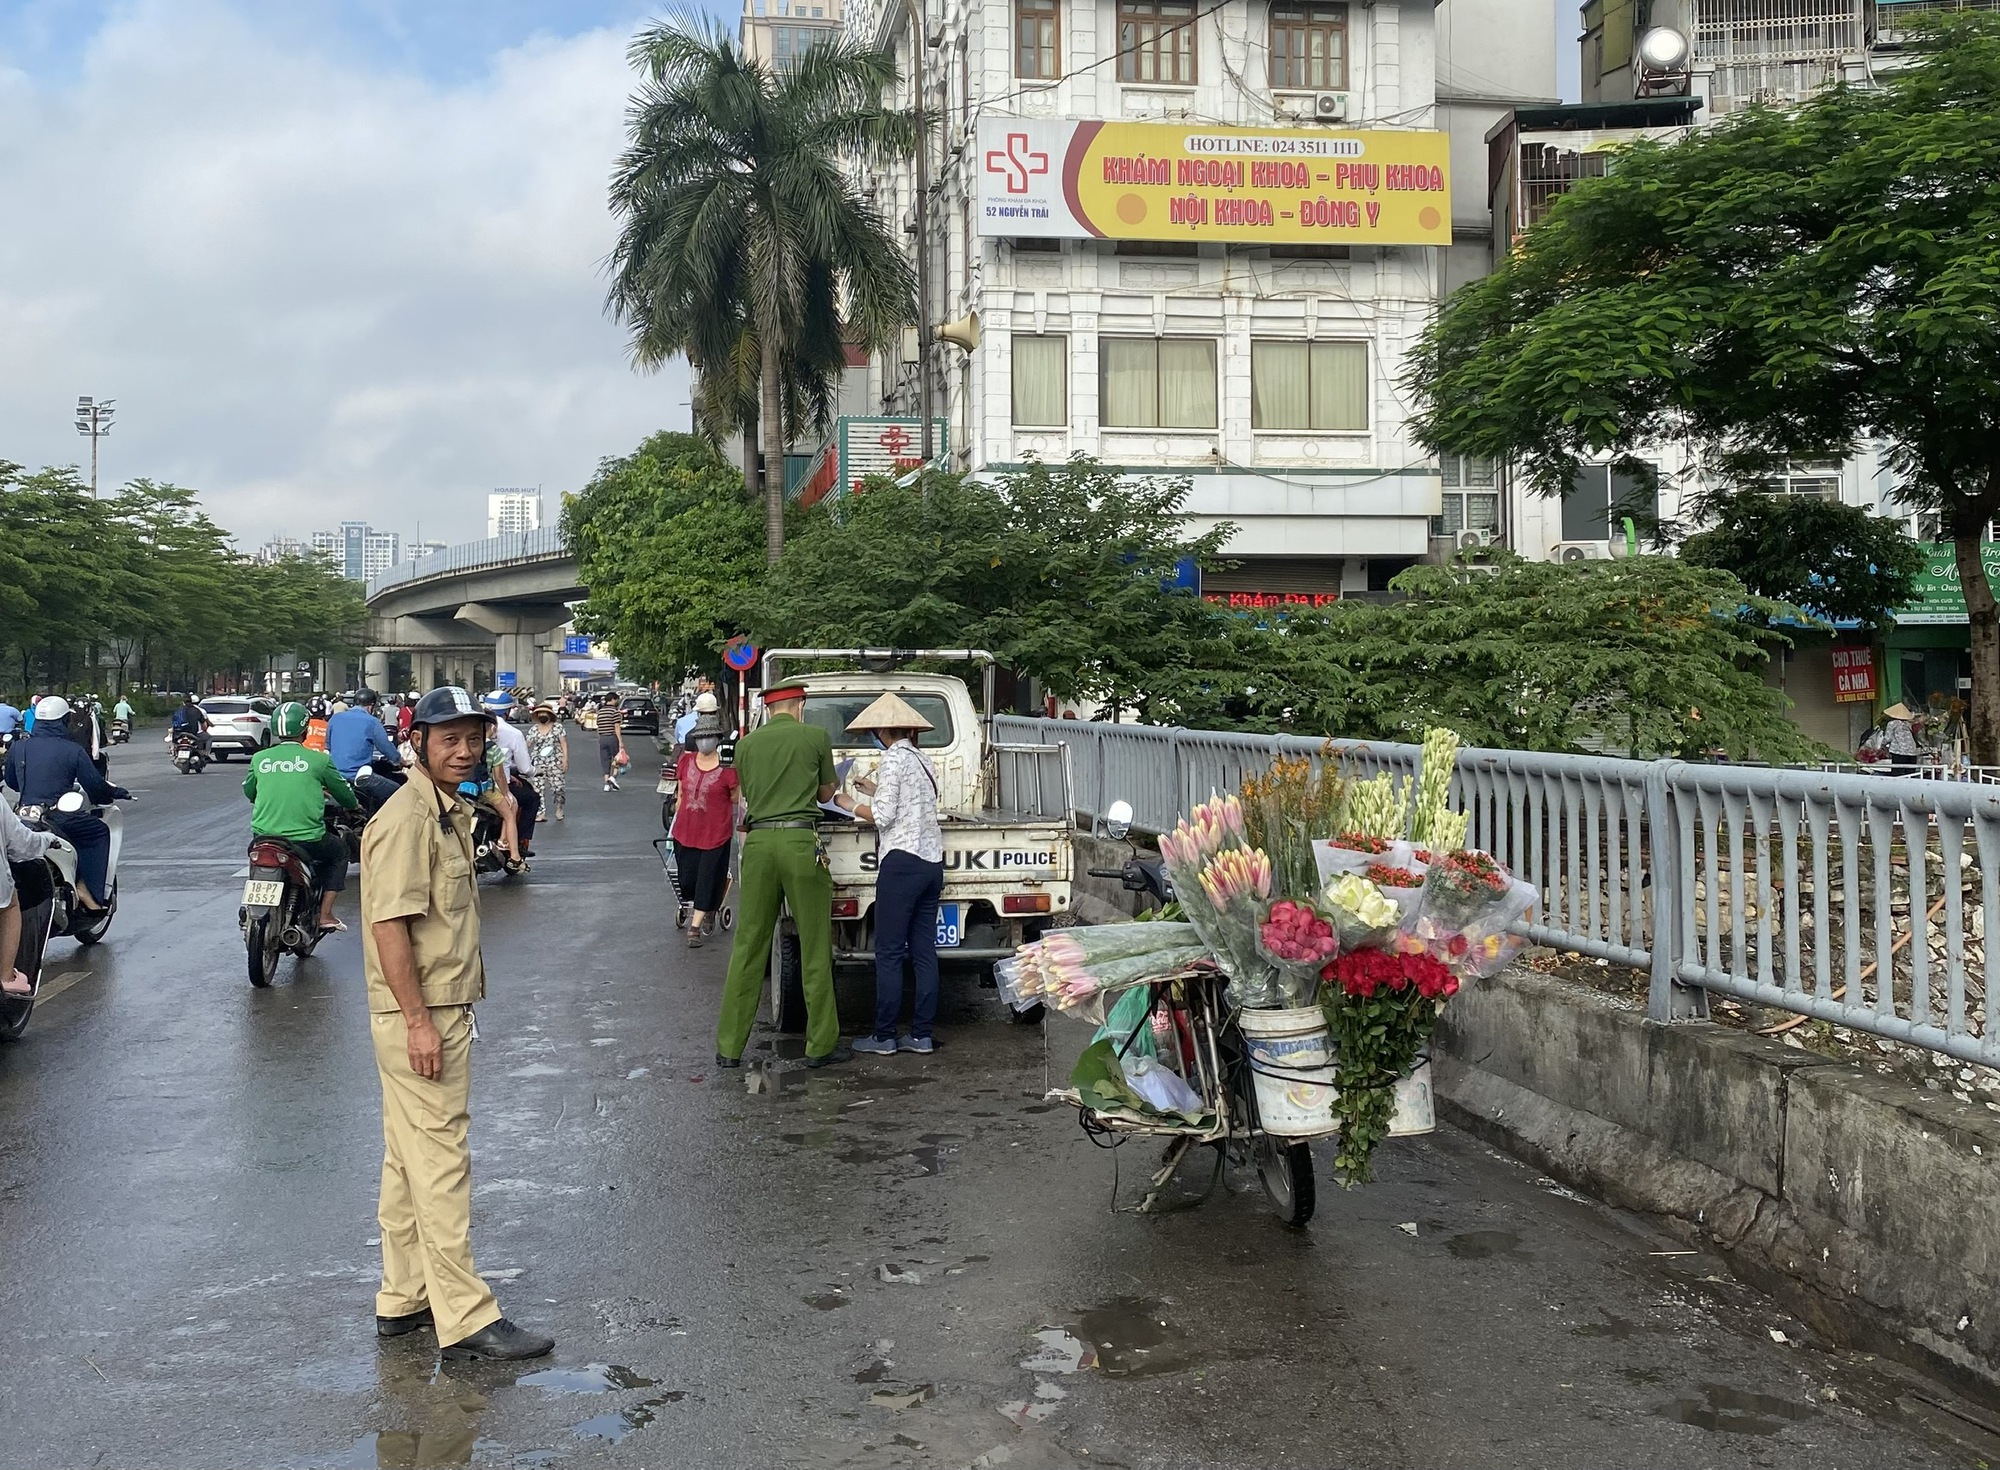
(420, 940)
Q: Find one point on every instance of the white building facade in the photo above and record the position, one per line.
(509, 512)
(1268, 374)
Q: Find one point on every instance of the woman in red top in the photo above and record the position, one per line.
(704, 824)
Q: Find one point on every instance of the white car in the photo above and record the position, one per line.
(237, 723)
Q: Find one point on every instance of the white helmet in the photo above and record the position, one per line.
(52, 707)
(704, 704)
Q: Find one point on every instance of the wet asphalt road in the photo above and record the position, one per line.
(187, 1190)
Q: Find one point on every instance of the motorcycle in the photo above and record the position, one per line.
(35, 891)
(121, 732)
(68, 919)
(189, 757)
(281, 902)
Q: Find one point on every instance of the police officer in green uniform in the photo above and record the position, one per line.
(785, 770)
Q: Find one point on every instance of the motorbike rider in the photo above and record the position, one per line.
(355, 738)
(18, 844)
(518, 769)
(289, 785)
(10, 717)
(190, 720)
(44, 768)
(122, 711)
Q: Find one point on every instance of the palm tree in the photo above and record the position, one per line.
(744, 241)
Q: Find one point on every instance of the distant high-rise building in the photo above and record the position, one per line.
(779, 32)
(418, 550)
(509, 512)
(280, 547)
(358, 550)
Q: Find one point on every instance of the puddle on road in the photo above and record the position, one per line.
(413, 1449)
(1480, 1245)
(614, 1426)
(1133, 1338)
(1615, 1328)
(875, 1372)
(1727, 1410)
(590, 1378)
(1060, 1352)
(826, 1301)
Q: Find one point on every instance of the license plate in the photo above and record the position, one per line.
(950, 928)
(261, 894)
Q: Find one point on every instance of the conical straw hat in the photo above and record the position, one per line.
(890, 712)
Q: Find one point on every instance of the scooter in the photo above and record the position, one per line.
(488, 856)
(35, 890)
(121, 732)
(281, 903)
(70, 920)
(189, 758)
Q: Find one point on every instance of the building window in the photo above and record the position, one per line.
(790, 43)
(1471, 496)
(1600, 498)
(1308, 47)
(1156, 41)
(1311, 252)
(1312, 386)
(1037, 39)
(1041, 381)
(1036, 245)
(1179, 248)
(1817, 479)
(1157, 382)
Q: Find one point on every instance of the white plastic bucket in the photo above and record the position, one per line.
(1291, 1058)
(1415, 1111)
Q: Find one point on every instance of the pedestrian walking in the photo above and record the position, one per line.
(1899, 738)
(785, 769)
(611, 740)
(420, 947)
(704, 824)
(902, 803)
(548, 748)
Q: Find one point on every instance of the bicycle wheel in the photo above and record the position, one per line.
(1285, 1168)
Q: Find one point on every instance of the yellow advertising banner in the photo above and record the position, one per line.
(1168, 181)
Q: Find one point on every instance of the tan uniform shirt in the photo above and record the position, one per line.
(416, 864)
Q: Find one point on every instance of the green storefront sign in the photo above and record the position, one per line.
(1939, 598)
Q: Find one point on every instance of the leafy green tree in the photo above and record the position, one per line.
(670, 552)
(1834, 560)
(1063, 572)
(741, 222)
(1780, 284)
(1652, 655)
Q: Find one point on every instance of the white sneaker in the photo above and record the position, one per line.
(611, 783)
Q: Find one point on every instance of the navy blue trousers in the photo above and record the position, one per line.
(906, 911)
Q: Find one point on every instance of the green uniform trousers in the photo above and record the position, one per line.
(780, 864)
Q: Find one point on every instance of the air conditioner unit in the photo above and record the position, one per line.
(1580, 551)
(1330, 106)
(1473, 540)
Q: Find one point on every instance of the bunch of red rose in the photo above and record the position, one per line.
(1363, 972)
(1361, 842)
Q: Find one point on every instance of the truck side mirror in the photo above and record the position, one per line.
(1118, 820)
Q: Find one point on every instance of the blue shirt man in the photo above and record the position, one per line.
(354, 737)
(10, 718)
(47, 764)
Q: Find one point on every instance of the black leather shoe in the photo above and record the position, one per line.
(723, 1061)
(838, 1054)
(500, 1340)
(402, 1326)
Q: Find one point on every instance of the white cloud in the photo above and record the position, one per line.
(317, 290)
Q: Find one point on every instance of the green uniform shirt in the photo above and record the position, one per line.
(288, 784)
(781, 766)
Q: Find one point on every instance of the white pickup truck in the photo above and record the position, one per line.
(1004, 809)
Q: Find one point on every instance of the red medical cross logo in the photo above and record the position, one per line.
(1016, 162)
(895, 439)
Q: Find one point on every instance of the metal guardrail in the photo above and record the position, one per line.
(1858, 900)
(472, 556)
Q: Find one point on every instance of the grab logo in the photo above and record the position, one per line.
(271, 765)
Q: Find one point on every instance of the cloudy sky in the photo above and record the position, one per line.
(334, 259)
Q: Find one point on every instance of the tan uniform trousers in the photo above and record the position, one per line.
(426, 1209)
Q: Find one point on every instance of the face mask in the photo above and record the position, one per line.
(876, 736)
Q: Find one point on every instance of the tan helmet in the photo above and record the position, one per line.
(890, 712)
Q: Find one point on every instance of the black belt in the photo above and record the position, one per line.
(784, 826)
